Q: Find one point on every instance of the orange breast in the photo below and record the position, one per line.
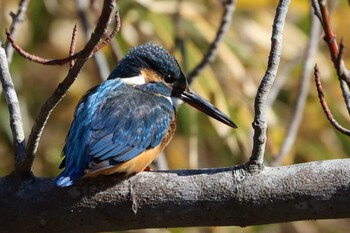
(141, 161)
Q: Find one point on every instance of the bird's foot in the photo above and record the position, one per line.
(147, 169)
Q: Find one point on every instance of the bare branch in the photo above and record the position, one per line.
(73, 44)
(16, 19)
(317, 11)
(294, 124)
(38, 59)
(39, 124)
(208, 197)
(324, 104)
(260, 105)
(229, 6)
(321, 10)
(113, 33)
(13, 106)
(71, 57)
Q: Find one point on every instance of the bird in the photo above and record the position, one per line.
(121, 125)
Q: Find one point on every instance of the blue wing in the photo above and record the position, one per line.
(127, 125)
(111, 126)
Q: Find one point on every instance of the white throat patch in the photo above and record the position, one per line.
(136, 80)
(139, 80)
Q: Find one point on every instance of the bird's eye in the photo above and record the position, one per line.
(169, 79)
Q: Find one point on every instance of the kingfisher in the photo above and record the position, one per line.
(121, 125)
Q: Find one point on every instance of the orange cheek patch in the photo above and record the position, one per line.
(150, 76)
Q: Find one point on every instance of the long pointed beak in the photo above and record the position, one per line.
(204, 106)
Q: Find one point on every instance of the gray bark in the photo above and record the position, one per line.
(208, 197)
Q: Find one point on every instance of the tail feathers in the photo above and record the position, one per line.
(63, 181)
(66, 179)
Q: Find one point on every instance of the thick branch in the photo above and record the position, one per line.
(208, 197)
(260, 105)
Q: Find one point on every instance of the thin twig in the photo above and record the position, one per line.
(13, 106)
(260, 105)
(317, 11)
(16, 19)
(295, 121)
(38, 59)
(72, 45)
(341, 51)
(324, 104)
(113, 33)
(321, 11)
(229, 7)
(39, 124)
(60, 61)
(329, 37)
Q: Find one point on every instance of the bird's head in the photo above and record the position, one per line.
(151, 64)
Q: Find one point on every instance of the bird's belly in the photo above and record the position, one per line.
(134, 165)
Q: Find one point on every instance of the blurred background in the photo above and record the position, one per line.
(186, 28)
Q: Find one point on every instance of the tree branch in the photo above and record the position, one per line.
(16, 19)
(72, 45)
(10, 94)
(229, 6)
(260, 105)
(324, 104)
(39, 124)
(208, 197)
(72, 56)
(321, 11)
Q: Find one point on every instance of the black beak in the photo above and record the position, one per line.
(204, 106)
